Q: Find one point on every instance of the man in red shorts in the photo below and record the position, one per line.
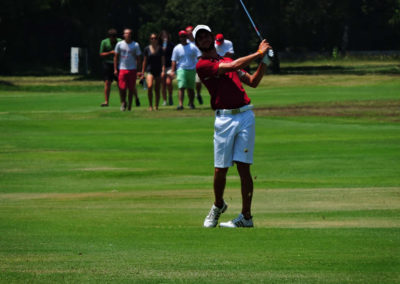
(234, 120)
(127, 57)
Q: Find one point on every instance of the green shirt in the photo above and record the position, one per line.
(107, 46)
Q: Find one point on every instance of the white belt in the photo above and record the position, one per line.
(234, 111)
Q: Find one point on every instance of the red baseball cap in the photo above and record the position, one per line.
(219, 39)
(189, 28)
(182, 33)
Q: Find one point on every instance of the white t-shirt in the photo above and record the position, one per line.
(127, 54)
(185, 56)
(222, 49)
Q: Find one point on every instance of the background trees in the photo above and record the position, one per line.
(36, 34)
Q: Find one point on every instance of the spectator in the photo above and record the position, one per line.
(166, 80)
(127, 58)
(189, 31)
(107, 52)
(223, 46)
(184, 59)
(154, 65)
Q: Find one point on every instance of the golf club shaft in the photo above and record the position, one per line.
(251, 20)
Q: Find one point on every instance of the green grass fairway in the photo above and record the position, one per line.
(95, 195)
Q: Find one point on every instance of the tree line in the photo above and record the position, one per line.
(38, 34)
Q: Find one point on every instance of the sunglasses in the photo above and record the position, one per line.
(153, 38)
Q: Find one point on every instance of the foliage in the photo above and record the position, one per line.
(41, 32)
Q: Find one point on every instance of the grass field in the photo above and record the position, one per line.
(90, 195)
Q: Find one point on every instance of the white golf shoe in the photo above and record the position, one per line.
(240, 221)
(211, 220)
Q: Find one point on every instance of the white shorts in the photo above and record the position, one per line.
(234, 137)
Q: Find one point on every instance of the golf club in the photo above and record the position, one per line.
(270, 51)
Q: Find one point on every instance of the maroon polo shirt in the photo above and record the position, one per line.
(226, 90)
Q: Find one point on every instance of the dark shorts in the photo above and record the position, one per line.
(155, 72)
(108, 72)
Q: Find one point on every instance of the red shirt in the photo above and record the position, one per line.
(226, 90)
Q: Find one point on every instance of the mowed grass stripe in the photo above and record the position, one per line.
(303, 208)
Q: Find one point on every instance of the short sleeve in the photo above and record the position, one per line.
(174, 54)
(198, 52)
(230, 48)
(207, 68)
(101, 46)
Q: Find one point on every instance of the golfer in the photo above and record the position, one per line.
(234, 120)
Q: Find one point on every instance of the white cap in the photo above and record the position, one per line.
(200, 27)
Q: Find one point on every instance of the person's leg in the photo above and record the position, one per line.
(122, 84)
(107, 91)
(191, 97)
(157, 90)
(246, 182)
(198, 92)
(122, 97)
(132, 88)
(168, 82)
(190, 77)
(181, 94)
(164, 89)
(150, 80)
(219, 186)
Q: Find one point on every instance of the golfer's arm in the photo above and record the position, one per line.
(239, 63)
(254, 79)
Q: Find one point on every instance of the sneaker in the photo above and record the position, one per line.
(164, 103)
(191, 106)
(200, 99)
(179, 108)
(137, 102)
(171, 102)
(238, 222)
(104, 105)
(211, 220)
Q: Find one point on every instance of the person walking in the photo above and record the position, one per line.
(223, 46)
(189, 30)
(184, 59)
(127, 59)
(154, 65)
(107, 52)
(166, 78)
(234, 132)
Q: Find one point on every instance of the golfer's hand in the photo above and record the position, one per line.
(116, 72)
(264, 46)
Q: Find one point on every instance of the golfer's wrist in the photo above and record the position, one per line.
(260, 53)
